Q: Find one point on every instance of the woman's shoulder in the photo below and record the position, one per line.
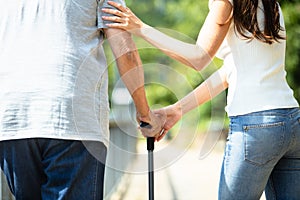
(211, 1)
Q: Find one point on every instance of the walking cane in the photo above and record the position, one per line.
(150, 148)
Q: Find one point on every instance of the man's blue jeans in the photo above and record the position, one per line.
(51, 169)
(262, 153)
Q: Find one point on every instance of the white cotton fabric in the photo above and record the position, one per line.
(53, 73)
(255, 72)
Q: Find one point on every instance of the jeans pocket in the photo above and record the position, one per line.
(263, 142)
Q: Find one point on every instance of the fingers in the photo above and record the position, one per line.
(158, 136)
(148, 132)
(117, 22)
(113, 19)
(113, 12)
(122, 18)
(161, 135)
(118, 17)
(117, 5)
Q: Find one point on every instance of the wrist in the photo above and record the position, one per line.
(178, 108)
(144, 115)
(144, 29)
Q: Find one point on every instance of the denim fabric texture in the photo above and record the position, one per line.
(51, 169)
(262, 153)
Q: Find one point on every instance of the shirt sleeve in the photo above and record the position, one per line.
(104, 4)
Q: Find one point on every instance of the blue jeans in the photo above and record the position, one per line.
(51, 169)
(262, 153)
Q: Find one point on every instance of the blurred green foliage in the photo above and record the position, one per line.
(183, 20)
(291, 12)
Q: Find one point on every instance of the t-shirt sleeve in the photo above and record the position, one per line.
(104, 4)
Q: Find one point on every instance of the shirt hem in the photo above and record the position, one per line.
(103, 140)
(234, 114)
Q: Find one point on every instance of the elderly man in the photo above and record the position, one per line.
(53, 96)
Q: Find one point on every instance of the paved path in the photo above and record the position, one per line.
(187, 178)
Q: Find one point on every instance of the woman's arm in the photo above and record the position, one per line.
(206, 91)
(197, 55)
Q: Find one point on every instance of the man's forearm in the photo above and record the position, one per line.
(132, 74)
(129, 66)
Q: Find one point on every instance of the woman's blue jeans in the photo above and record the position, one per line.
(262, 153)
(51, 169)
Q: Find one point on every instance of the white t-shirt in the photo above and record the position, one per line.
(255, 72)
(53, 72)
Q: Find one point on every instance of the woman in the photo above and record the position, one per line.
(263, 147)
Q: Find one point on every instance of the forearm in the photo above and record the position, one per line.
(189, 54)
(132, 74)
(129, 66)
(209, 40)
(206, 91)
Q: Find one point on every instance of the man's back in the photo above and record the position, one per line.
(53, 79)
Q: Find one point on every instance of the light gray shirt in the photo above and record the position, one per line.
(53, 72)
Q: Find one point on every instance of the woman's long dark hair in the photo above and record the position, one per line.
(245, 19)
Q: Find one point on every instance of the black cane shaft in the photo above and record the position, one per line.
(150, 175)
(150, 143)
(150, 148)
